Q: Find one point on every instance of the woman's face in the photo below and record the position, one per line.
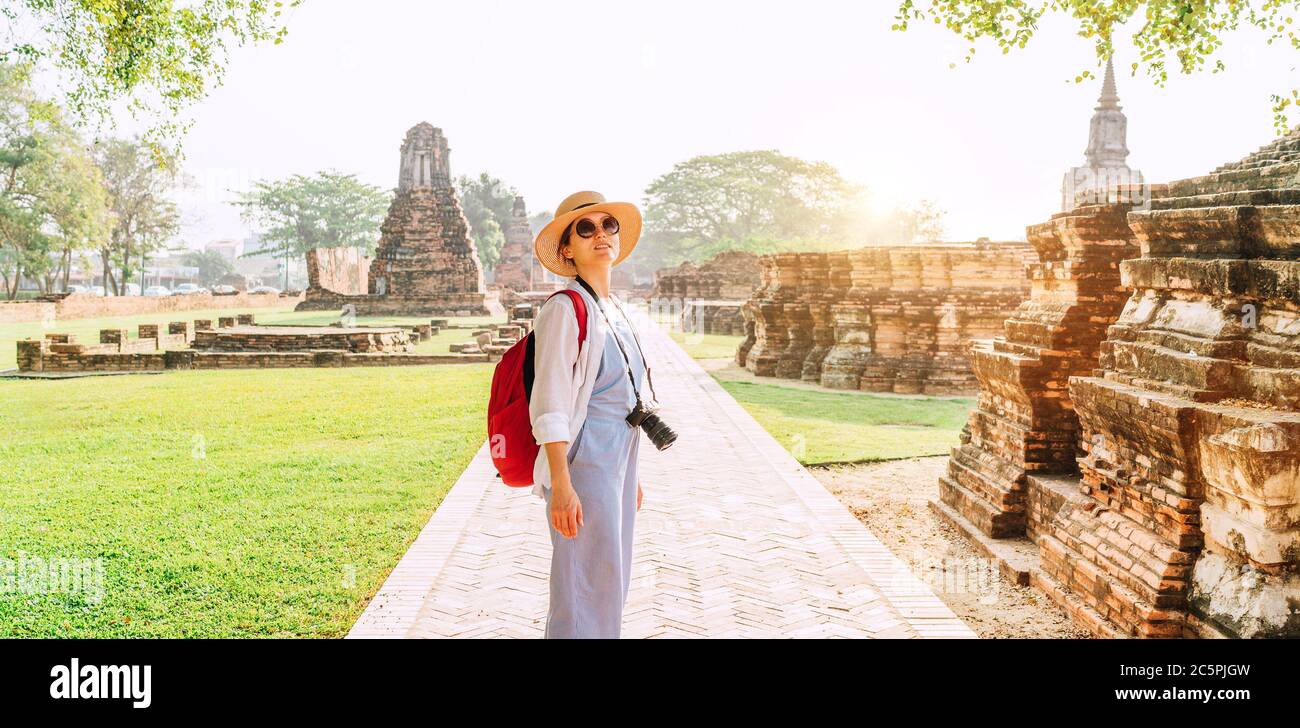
(601, 249)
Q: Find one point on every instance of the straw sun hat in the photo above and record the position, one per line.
(547, 244)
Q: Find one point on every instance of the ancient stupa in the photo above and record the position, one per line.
(1105, 175)
(426, 255)
(514, 270)
(427, 263)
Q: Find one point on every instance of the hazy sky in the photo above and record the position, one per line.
(554, 96)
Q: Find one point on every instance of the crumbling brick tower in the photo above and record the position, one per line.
(1024, 423)
(1191, 427)
(514, 269)
(425, 251)
(1184, 517)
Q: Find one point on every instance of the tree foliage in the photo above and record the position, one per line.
(1169, 32)
(754, 200)
(156, 56)
(327, 210)
(489, 205)
(211, 264)
(144, 217)
(52, 199)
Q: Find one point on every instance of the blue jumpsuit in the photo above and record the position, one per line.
(591, 573)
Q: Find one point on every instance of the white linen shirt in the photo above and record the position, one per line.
(563, 375)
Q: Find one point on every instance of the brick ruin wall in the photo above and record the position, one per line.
(338, 270)
(83, 306)
(882, 319)
(713, 317)
(1179, 513)
(233, 343)
(707, 297)
(728, 276)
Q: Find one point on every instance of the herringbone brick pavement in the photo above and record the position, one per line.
(734, 539)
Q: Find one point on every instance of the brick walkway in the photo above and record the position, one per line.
(734, 539)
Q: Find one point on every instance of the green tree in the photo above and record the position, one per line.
(155, 57)
(144, 218)
(211, 264)
(52, 201)
(1190, 33)
(300, 213)
(488, 204)
(754, 200)
(78, 208)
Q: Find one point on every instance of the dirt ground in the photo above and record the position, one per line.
(890, 498)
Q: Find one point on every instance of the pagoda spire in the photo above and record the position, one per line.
(1109, 98)
(1105, 174)
(1108, 133)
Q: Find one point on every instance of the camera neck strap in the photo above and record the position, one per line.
(619, 340)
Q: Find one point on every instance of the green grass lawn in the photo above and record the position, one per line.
(834, 427)
(87, 330)
(229, 503)
(823, 426)
(708, 346)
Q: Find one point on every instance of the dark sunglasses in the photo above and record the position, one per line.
(586, 228)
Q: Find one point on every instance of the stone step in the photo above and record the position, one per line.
(1278, 175)
(987, 518)
(1080, 613)
(1017, 558)
(1109, 599)
(1230, 199)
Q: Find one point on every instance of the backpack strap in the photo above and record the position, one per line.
(579, 308)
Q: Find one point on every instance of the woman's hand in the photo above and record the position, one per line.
(638, 495)
(566, 509)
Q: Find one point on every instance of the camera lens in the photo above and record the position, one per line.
(659, 433)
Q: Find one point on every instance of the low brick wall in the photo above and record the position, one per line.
(282, 359)
(451, 304)
(247, 338)
(82, 306)
(153, 350)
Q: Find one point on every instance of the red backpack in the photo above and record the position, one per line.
(510, 429)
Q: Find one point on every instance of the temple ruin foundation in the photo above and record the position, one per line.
(1183, 516)
(883, 319)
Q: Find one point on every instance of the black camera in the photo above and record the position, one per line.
(660, 434)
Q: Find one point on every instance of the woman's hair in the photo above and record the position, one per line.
(564, 240)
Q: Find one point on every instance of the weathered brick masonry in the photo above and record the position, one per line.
(83, 305)
(514, 271)
(708, 296)
(1184, 517)
(1025, 422)
(237, 343)
(340, 270)
(887, 319)
(728, 276)
(427, 263)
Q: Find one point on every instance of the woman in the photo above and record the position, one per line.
(582, 394)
